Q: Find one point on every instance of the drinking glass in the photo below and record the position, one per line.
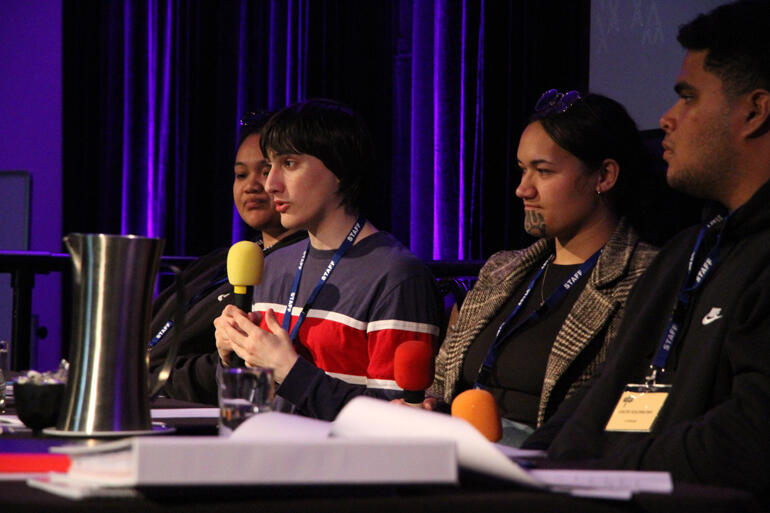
(243, 392)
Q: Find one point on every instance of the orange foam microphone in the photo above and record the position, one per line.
(413, 369)
(245, 264)
(479, 408)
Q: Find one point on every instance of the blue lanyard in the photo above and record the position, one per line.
(220, 280)
(691, 284)
(553, 300)
(349, 240)
(197, 297)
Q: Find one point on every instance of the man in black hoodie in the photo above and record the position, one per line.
(687, 386)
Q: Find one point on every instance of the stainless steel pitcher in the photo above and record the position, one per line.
(112, 283)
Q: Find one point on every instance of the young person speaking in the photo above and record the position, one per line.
(330, 312)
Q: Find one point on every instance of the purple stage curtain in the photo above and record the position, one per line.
(154, 89)
(445, 81)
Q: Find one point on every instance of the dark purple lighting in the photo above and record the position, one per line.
(278, 52)
(273, 57)
(296, 49)
(126, 160)
(152, 78)
(461, 237)
(158, 200)
(437, 140)
(290, 51)
(478, 132)
(241, 109)
(446, 109)
(421, 129)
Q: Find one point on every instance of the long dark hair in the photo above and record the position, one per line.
(594, 128)
(252, 123)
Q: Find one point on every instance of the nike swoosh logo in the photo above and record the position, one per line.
(713, 315)
(222, 296)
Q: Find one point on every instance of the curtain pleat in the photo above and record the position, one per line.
(154, 90)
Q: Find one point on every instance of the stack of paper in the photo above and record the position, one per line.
(370, 442)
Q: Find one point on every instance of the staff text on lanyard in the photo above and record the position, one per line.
(346, 244)
(691, 284)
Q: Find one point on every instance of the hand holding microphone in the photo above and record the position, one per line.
(245, 264)
(413, 370)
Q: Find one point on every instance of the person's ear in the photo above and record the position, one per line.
(757, 118)
(608, 175)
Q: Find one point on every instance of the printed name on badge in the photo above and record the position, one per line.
(637, 409)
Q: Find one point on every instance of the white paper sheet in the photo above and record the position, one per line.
(185, 413)
(607, 484)
(367, 417)
(59, 485)
(514, 452)
(281, 426)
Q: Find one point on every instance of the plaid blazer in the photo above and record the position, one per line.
(597, 310)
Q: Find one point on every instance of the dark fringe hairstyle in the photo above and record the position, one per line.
(329, 131)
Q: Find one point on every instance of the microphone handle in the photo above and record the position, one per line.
(242, 301)
(414, 397)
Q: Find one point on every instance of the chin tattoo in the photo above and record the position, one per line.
(534, 224)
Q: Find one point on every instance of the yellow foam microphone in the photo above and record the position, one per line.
(245, 264)
(244, 269)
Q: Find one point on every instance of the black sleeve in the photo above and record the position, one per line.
(192, 374)
(316, 394)
(192, 378)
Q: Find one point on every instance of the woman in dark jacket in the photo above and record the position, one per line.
(540, 320)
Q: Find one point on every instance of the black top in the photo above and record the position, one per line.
(516, 380)
(193, 374)
(714, 426)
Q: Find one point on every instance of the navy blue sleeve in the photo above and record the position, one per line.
(315, 394)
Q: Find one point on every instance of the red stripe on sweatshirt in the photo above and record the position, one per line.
(338, 348)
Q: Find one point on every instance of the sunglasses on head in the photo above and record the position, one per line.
(254, 118)
(552, 101)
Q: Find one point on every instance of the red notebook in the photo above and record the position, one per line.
(33, 463)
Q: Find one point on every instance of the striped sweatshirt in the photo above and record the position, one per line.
(378, 296)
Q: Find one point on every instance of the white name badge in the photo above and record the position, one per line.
(638, 407)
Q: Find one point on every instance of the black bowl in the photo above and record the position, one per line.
(38, 405)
